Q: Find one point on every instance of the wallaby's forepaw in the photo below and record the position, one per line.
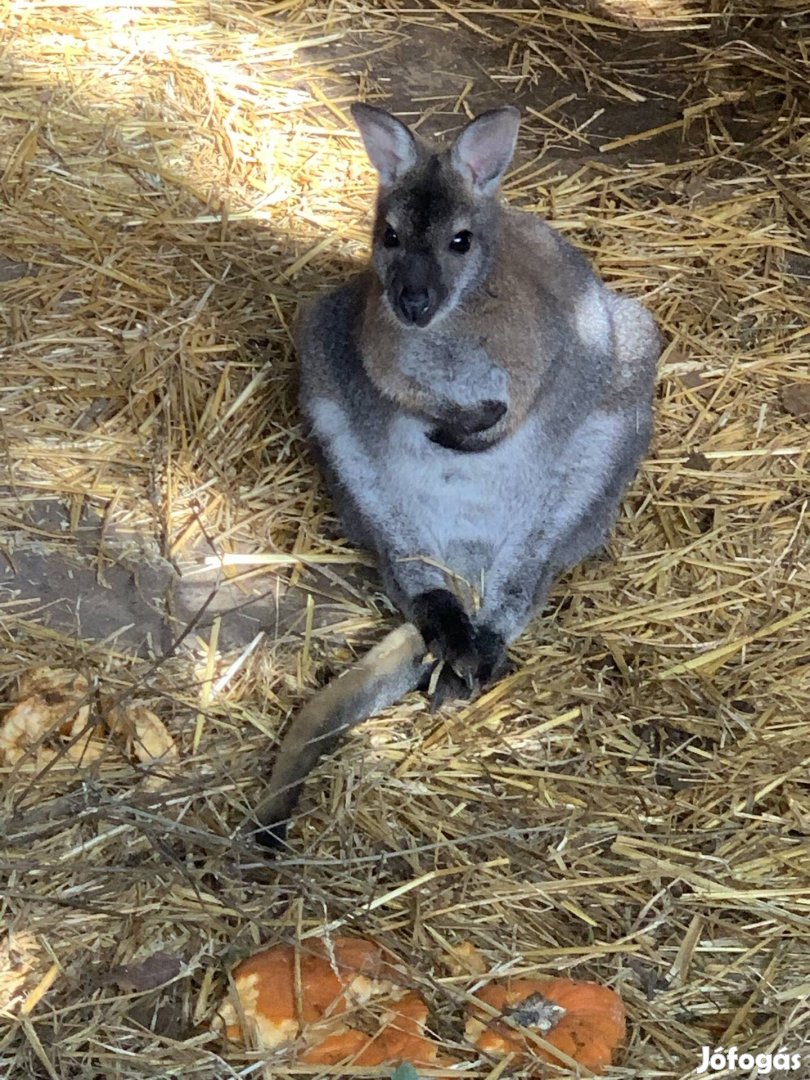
(463, 429)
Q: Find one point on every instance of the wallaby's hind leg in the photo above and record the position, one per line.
(601, 456)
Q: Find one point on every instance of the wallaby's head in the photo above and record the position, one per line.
(437, 209)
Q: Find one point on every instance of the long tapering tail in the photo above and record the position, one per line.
(384, 675)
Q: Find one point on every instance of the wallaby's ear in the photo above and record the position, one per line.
(390, 145)
(483, 150)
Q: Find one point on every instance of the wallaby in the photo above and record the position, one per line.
(478, 400)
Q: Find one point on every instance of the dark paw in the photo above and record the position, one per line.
(490, 665)
(448, 631)
(482, 417)
(448, 687)
(458, 426)
(492, 661)
(451, 440)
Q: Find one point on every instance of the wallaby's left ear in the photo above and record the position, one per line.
(389, 144)
(483, 150)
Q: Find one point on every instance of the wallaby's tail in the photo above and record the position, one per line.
(384, 675)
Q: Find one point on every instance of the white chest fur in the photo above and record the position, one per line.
(473, 513)
(455, 499)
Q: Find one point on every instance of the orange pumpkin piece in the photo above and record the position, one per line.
(312, 995)
(582, 1019)
(401, 1038)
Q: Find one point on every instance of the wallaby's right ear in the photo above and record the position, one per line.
(483, 150)
(390, 145)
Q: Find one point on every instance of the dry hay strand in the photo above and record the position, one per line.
(631, 804)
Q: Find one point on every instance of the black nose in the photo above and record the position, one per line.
(414, 304)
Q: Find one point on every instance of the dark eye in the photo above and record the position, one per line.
(461, 242)
(390, 238)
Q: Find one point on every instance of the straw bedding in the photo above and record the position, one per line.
(631, 804)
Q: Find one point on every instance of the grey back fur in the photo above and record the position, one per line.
(478, 398)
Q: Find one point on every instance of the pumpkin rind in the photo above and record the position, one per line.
(401, 1038)
(284, 996)
(590, 1030)
(280, 992)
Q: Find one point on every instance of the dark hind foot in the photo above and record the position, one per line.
(472, 657)
(449, 687)
(492, 659)
(448, 632)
